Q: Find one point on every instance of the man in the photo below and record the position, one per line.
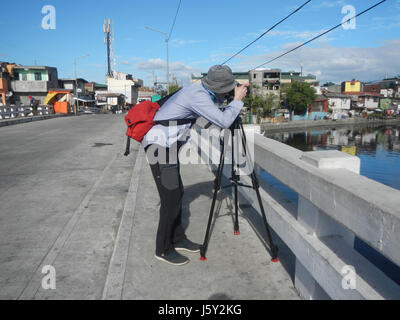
(164, 140)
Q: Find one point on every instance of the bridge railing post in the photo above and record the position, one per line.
(318, 223)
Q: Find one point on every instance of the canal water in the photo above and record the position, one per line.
(378, 148)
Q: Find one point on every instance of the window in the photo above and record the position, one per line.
(38, 76)
(255, 76)
(24, 77)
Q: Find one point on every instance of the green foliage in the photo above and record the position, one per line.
(173, 87)
(259, 104)
(299, 96)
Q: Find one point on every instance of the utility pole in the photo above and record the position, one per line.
(76, 83)
(166, 41)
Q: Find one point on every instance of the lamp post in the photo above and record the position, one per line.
(76, 81)
(166, 41)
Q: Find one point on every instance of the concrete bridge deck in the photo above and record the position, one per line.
(72, 201)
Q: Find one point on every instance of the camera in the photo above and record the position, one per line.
(231, 95)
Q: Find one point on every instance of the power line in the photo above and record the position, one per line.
(275, 25)
(176, 15)
(320, 35)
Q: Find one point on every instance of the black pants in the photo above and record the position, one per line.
(170, 188)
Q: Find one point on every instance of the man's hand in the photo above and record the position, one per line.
(240, 92)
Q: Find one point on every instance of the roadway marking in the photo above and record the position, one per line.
(113, 287)
(33, 285)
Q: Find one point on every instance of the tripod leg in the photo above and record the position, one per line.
(217, 186)
(235, 186)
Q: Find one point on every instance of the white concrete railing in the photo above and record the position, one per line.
(10, 112)
(335, 205)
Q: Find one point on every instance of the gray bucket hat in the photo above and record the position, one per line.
(219, 79)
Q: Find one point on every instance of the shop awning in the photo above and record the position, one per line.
(49, 97)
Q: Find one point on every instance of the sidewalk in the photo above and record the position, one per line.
(238, 267)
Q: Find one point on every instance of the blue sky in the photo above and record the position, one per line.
(206, 33)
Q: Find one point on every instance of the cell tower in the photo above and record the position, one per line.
(108, 39)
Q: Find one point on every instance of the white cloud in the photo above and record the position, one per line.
(180, 70)
(334, 63)
(125, 62)
(329, 4)
(181, 42)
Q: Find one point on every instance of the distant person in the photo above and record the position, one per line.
(34, 104)
(191, 102)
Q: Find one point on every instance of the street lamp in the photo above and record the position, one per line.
(76, 80)
(166, 41)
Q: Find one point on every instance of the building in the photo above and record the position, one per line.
(76, 85)
(32, 81)
(338, 102)
(368, 101)
(352, 87)
(93, 87)
(318, 108)
(5, 77)
(123, 83)
(266, 81)
(373, 88)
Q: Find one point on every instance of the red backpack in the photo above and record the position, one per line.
(140, 119)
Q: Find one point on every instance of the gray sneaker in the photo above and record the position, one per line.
(187, 245)
(173, 258)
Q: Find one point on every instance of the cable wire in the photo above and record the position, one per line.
(320, 35)
(173, 24)
(262, 35)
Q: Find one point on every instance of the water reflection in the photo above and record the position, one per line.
(378, 147)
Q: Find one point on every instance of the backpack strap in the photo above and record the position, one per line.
(128, 146)
(177, 122)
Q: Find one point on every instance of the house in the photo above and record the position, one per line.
(32, 81)
(110, 101)
(352, 87)
(318, 108)
(338, 102)
(5, 76)
(369, 101)
(76, 85)
(123, 83)
(373, 88)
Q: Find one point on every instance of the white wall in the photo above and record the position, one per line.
(339, 104)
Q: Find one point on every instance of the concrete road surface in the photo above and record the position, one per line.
(63, 184)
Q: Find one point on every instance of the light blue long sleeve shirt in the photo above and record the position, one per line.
(190, 102)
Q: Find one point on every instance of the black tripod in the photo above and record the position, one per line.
(237, 126)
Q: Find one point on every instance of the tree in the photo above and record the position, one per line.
(173, 87)
(299, 96)
(259, 104)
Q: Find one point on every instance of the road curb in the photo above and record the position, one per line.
(113, 287)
